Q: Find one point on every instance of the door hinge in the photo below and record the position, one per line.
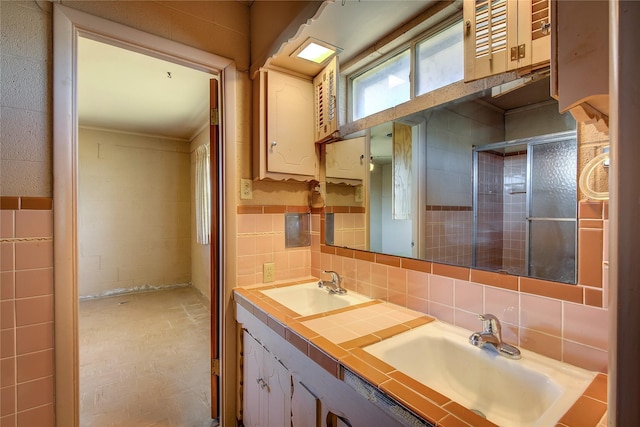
(215, 367)
(518, 52)
(214, 117)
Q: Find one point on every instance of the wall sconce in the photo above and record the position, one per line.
(316, 51)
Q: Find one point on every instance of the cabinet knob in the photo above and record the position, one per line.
(274, 143)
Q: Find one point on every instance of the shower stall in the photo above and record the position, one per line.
(524, 207)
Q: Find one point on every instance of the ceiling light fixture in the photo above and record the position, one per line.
(316, 51)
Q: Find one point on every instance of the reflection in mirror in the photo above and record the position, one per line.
(420, 195)
(524, 199)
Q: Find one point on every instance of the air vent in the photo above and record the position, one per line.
(491, 27)
(325, 88)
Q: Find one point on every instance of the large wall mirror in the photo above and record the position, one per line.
(488, 181)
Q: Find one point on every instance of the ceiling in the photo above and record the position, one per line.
(126, 91)
(130, 92)
(354, 26)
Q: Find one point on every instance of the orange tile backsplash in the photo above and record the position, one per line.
(26, 323)
(530, 308)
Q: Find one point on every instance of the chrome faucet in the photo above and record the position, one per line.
(491, 336)
(335, 285)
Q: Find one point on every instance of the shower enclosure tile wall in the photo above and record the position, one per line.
(489, 237)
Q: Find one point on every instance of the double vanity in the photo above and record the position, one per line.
(313, 355)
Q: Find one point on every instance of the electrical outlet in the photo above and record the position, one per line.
(268, 272)
(246, 189)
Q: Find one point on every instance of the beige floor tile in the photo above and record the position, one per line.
(144, 360)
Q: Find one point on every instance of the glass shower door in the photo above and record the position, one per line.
(552, 209)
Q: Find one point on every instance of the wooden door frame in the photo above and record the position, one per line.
(68, 25)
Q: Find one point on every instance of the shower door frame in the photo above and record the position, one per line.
(528, 142)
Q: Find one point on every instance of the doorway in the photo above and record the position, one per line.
(144, 279)
(69, 25)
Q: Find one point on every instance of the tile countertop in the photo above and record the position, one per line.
(334, 340)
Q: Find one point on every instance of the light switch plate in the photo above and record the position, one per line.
(246, 189)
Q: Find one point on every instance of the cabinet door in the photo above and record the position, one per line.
(540, 32)
(278, 395)
(305, 407)
(345, 159)
(290, 125)
(251, 385)
(505, 35)
(489, 25)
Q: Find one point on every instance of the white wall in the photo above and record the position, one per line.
(200, 254)
(538, 120)
(134, 208)
(451, 134)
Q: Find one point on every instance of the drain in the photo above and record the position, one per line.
(477, 412)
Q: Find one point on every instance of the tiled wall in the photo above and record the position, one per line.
(261, 239)
(564, 322)
(349, 226)
(514, 216)
(449, 234)
(26, 298)
(490, 210)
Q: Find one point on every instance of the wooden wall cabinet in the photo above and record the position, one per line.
(346, 162)
(580, 59)
(505, 35)
(284, 145)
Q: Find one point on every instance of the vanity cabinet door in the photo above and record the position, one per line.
(253, 407)
(305, 407)
(266, 387)
(284, 127)
(278, 390)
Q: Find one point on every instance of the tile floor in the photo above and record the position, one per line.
(144, 360)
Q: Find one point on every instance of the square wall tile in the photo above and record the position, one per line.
(30, 255)
(38, 223)
(468, 297)
(502, 303)
(7, 285)
(441, 289)
(35, 393)
(34, 338)
(33, 366)
(584, 356)
(42, 416)
(541, 314)
(7, 250)
(586, 325)
(538, 342)
(7, 224)
(30, 311)
(32, 283)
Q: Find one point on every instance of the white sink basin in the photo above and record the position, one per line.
(307, 298)
(532, 391)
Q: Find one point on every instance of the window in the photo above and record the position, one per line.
(383, 86)
(203, 195)
(439, 59)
